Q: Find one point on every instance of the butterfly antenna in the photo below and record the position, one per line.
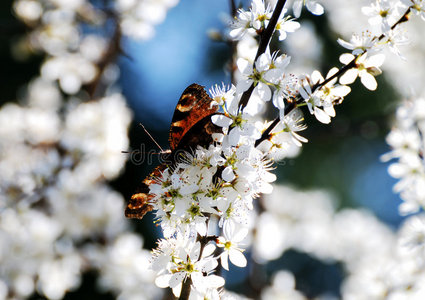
(151, 137)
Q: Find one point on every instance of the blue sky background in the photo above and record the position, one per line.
(161, 68)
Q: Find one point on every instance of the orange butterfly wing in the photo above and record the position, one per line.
(193, 106)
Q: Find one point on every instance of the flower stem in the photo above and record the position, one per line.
(266, 36)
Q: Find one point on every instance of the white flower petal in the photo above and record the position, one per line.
(346, 45)
(346, 58)
(316, 77)
(321, 116)
(273, 75)
(221, 120)
(228, 229)
(228, 174)
(262, 63)
(291, 26)
(375, 60)
(263, 91)
(224, 260)
(266, 188)
(244, 66)
(315, 8)
(189, 189)
(278, 101)
(240, 235)
(268, 177)
(330, 110)
(297, 7)
(201, 228)
(215, 281)
(341, 90)
(368, 81)
(163, 281)
(349, 76)
(237, 258)
(304, 94)
(243, 85)
(177, 290)
(332, 72)
(208, 250)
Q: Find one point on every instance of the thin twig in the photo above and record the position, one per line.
(233, 44)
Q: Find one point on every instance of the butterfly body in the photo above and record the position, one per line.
(191, 126)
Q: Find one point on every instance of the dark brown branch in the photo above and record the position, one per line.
(266, 36)
(266, 132)
(268, 32)
(403, 18)
(232, 65)
(232, 8)
(185, 293)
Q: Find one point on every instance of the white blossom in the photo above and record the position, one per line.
(312, 5)
(286, 25)
(366, 68)
(360, 43)
(229, 242)
(380, 13)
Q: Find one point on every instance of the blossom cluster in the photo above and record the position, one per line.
(407, 142)
(219, 182)
(215, 183)
(76, 57)
(72, 56)
(52, 196)
(378, 261)
(138, 18)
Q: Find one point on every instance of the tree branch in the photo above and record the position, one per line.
(185, 293)
(233, 44)
(266, 36)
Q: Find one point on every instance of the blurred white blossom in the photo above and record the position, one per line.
(58, 216)
(407, 143)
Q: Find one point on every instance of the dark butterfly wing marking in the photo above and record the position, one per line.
(191, 126)
(193, 106)
(138, 205)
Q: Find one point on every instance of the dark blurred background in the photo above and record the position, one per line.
(342, 157)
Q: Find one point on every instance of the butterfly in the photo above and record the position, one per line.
(191, 126)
